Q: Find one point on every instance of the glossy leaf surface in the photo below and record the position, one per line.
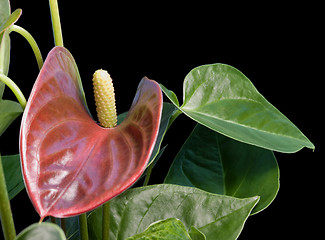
(218, 164)
(168, 229)
(41, 231)
(222, 98)
(13, 176)
(70, 164)
(132, 212)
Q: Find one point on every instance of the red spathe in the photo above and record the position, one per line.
(70, 164)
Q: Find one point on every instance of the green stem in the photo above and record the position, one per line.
(4, 52)
(105, 223)
(146, 180)
(83, 228)
(56, 24)
(14, 88)
(5, 210)
(31, 42)
(63, 225)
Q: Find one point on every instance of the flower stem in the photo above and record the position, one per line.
(5, 210)
(14, 88)
(106, 215)
(63, 225)
(106, 112)
(83, 228)
(56, 24)
(31, 42)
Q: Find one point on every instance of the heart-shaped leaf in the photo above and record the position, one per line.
(222, 98)
(218, 164)
(40, 231)
(216, 216)
(70, 164)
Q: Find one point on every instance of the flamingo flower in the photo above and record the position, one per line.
(70, 163)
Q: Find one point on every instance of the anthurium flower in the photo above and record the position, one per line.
(70, 163)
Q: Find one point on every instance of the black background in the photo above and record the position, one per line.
(278, 47)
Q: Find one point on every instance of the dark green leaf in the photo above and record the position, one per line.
(9, 111)
(41, 231)
(222, 98)
(12, 170)
(169, 229)
(218, 164)
(216, 216)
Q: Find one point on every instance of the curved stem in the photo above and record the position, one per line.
(56, 24)
(31, 42)
(5, 210)
(14, 88)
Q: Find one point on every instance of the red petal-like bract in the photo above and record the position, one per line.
(70, 164)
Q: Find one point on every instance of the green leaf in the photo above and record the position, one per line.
(170, 94)
(10, 20)
(4, 10)
(218, 164)
(41, 231)
(4, 42)
(168, 229)
(222, 98)
(9, 111)
(196, 234)
(12, 170)
(216, 216)
(71, 227)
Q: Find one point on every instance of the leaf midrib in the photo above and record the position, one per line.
(188, 112)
